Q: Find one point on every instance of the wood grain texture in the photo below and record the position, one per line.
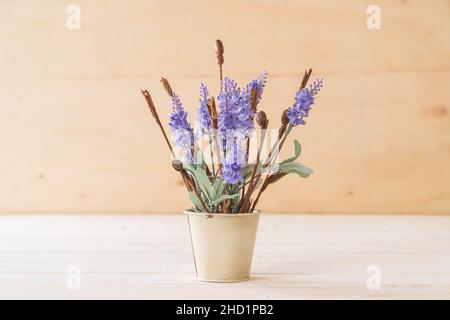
(76, 135)
(296, 257)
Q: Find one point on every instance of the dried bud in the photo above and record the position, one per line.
(150, 104)
(219, 47)
(167, 87)
(284, 118)
(261, 119)
(177, 165)
(254, 99)
(219, 52)
(212, 106)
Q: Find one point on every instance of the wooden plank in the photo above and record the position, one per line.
(77, 137)
(296, 257)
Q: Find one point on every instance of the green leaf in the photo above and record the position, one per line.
(192, 196)
(204, 184)
(225, 197)
(189, 167)
(201, 161)
(218, 187)
(298, 151)
(295, 167)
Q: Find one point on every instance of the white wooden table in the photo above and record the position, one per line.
(296, 257)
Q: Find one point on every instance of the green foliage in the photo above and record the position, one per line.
(213, 190)
(195, 201)
(295, 167)
(203, 184)
(298, 151)
(220, 199)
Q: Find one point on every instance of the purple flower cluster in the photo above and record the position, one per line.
(235, 116)
(235, 105)
(234, 163)
(182, 132)
(258, 84)
(236, 124)
(204, 118)
(304, 99)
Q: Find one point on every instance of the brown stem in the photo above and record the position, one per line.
(246, 161)
(272, 179)
(188, 181)
(201, 200)
(257, 199)
(211, 152)
(154, 113)
(245, 201)
(305, 79)
(214, 117)
(282, 134)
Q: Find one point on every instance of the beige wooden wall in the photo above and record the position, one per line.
(76, 136)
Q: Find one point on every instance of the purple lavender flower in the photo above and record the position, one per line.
(236, 124)
(234, 163)
(235, 113)
(315, 87)
(202, 112)
(304, 99)
(182, 131)
(259, 84)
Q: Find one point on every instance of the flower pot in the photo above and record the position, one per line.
(222, 245)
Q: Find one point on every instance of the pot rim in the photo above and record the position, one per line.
(254, 213)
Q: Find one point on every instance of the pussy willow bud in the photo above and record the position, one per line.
(219, 52)
(261, 119)
(284, 118)
(177, 165)
(254, 99)
(166, 86)
(212, 106)
(219, 47)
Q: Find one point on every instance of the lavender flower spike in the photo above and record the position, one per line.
(315, 87)
(204, 118)
(258, 84)
(304, 99)
(235, 112)
(182, 131)
(234, 163)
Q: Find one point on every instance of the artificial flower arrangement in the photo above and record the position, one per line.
(229, 182)
(223, 182)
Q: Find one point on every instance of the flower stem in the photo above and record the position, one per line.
(269, 159)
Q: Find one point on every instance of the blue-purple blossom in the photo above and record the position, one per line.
(304, 99)
(182, 131)
(315, 87)
(204, 118)
(235, 112)
(236, 124)
(234, 163)
(258, 84)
